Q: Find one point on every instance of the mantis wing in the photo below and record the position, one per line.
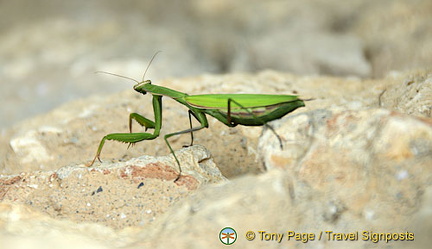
(220, 101)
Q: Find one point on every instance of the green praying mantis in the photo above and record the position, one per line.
(230, 109)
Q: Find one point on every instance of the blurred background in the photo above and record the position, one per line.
(49, 50)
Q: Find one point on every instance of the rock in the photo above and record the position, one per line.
(278, 202)
(114, 194)
(355, 156)
(351, 162)
(420, 224)
(23, 227)
(414, 97)
(350, 138)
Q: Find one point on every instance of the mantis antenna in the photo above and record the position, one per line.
(121, 76)
(125, 77)
(150, 64)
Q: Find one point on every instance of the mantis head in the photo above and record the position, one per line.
(140, 86)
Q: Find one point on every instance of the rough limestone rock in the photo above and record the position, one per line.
(356, 160)
(114, 194)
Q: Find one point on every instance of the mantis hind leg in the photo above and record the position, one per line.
(171, 149)
(130, 138)
(204, 124)
(190, 125)
(253, 115)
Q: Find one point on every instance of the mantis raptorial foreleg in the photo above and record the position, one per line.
(132, 138)
(147, 123)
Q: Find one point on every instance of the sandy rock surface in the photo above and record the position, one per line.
(347, 165)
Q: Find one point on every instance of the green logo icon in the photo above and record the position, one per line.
(228, 236)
